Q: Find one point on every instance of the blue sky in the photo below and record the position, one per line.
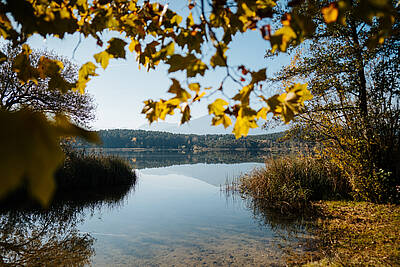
(120, 90)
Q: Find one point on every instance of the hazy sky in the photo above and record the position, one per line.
(120, 90)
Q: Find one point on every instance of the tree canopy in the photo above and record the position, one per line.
(157, 34)
(355, 112)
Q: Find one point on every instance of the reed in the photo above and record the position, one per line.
(82, 171)
(290, 183)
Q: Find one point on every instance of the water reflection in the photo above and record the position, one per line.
(43, 239)
(31, 236)
(294, 230)
(177, 216)
(156, 159)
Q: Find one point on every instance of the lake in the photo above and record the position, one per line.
(176, 215)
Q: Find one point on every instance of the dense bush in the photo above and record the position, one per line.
(289, 183)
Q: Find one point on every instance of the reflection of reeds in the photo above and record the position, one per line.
(294, 229)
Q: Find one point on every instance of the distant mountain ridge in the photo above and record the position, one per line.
(202, 126)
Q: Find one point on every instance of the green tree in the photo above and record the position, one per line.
(157, 34)
(355, 112)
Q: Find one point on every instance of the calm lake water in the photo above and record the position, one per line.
(176, 215)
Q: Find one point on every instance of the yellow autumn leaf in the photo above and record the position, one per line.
(244, 121)
(103, 58)
(221, 119)
(194, 87)
(217, 107)
(85, 72)
(330, 13)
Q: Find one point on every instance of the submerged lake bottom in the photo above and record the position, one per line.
(179, 216)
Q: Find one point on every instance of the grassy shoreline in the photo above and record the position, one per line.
(352, 233)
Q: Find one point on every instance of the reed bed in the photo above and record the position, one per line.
(290, 183)
(82, 171)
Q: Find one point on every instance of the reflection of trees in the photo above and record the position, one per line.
(37, 239)
(156, 159)
(30, 236)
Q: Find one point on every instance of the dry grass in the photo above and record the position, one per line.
(354, 234)
(289, 183)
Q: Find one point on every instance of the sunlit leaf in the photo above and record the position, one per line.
(48, 67)
(181, 94)
(103, 58)
(244, 121)
(221, 119)
(244, 94)
(85, 72)
(282, 38)
(194, 87)
(330, 13)
(217, 107)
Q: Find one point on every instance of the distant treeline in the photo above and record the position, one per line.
(123, 138)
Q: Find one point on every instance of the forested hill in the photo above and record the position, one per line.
(122, 138)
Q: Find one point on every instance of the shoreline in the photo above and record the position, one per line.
(352, 233)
